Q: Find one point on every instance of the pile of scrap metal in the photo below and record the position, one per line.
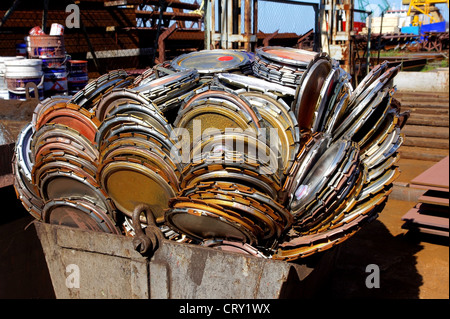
(272, 154)
(388, 41)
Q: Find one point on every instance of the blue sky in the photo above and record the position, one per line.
(300, 19)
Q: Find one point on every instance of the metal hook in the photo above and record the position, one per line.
(146, 242)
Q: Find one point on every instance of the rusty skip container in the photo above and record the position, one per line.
(94, 265)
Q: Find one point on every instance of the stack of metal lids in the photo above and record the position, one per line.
(272, 154)
(59, 182)
(282, 65)
(210, 62)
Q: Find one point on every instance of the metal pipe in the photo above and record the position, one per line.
(369, 36)
(255, 16)
(247, 24)
(379, 37)
(9, 12)
(163, 8)
(207, 23)
(44, 15)
(317, 36)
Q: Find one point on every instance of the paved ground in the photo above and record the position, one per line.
(412, 266)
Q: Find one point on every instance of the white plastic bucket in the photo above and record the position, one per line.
(56, 29)
(3, 69)
(19, 73)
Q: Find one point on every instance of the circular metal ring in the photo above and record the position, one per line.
(211, 61)
(79, 212)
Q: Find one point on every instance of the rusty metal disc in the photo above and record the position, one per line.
(148, 114)
(361, 123)
(201, 221)
(177, 82)
(233, 246)
(375, 186)
(64, 158)
(335, 117)
(22, 150)
(230, 160)
(372, 76)
(130, 184)
(170, 157)
(389, 145)
(211, 61)
(386, 127)
(290, 56)
(275, 210)
(147, 139)
(279, 122)
(303, 246)
(168, 143)
(324, 100)
(345, 205)
(364, 207)
(262, 183)
(72, 116)
(358, 103)
(234, 141)
(92, 92)
(338, 87)
(62, 137)
(245, 207)
(79, 212)
(117, 96)
(306, 158)
(62, 183)
(308, 92)
(327, 199)
(211, 116)
(113, 121)
(153, 73)
(136, 154)
(319, 175)
(45, 104)
(255, 84)
(377, 171)
(26, 191)
(219, 95)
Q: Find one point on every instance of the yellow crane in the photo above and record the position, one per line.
(426, 7)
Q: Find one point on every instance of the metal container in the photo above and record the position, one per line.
(107, 266)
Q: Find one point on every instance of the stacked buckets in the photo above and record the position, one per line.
(78, 75)
(48, 69)
(51, 51)
(3, 87)
(23, 73)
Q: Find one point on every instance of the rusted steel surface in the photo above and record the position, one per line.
(109, 267)
(430, 215)
(435, 176)
(435, 198)
(426, 221)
